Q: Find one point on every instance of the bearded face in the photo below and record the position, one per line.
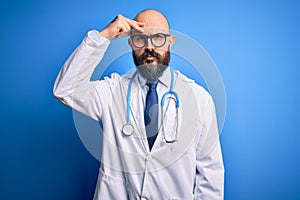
(151, 65)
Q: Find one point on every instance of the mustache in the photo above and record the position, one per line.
(150, 53)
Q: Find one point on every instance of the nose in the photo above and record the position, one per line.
(149, 44)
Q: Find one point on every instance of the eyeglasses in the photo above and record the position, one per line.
(140, 40)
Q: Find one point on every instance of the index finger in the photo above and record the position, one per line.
(136, 25)
(122, 34)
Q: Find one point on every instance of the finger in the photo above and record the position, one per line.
(123, 30)
(136, 25)
(114, 19)
(122, 34)
(118, 17)
(141, 24)
(126, 26)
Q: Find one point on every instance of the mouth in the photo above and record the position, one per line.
(149, 59)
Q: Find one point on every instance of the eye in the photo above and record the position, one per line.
(158, 36)
(139, 38)
(158, 39)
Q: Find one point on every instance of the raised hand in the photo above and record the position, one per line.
(120, 27)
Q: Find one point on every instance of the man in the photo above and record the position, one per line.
(160, 136)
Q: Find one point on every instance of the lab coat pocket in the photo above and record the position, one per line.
(107, 185)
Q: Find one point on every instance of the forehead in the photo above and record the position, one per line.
(150, 31)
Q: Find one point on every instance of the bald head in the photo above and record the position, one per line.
(153, 18)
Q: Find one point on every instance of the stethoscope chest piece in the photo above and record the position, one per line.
(128, 129)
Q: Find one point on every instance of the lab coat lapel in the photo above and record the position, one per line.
(137, 111)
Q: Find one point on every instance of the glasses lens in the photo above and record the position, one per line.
(139, 41)
(158, 39)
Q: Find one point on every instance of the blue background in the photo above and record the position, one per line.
(255, 45)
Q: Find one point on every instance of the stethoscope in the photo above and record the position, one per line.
(128, 128)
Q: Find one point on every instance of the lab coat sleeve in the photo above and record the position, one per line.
(73, 86)
(209, 168)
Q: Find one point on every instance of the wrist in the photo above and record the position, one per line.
(104, 34)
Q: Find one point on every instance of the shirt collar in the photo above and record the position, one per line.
(165, 79)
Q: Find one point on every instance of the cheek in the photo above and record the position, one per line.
(162, 52)
(163, 49)
(139, 52)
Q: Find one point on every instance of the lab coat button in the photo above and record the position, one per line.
(148, 158)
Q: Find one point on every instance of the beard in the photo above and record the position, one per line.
(150, 71)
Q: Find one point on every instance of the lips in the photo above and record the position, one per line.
(149, 59)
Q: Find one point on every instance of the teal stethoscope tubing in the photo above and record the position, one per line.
(128, 128)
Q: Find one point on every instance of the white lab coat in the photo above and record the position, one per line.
(191, 168)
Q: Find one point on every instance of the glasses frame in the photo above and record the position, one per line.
(146, 38)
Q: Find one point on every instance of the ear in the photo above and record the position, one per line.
(130, 43)
(171, 40)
